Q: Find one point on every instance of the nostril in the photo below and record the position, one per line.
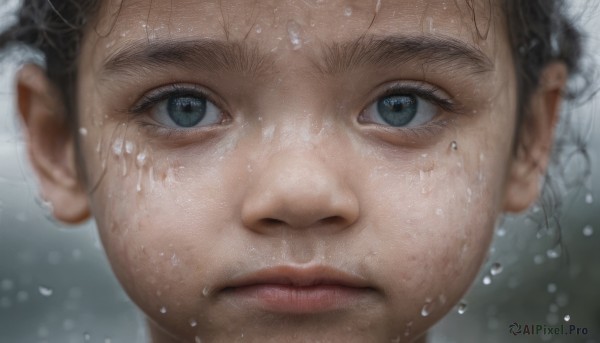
(270, 222)
(333, 220)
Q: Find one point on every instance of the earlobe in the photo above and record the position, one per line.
(535, 138)
(51, 145)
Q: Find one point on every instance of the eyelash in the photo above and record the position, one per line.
(174, 90)
(427, 93)
(424, 92)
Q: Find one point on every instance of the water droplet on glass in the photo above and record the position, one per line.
(487, 280)
(501, 232)
(193, 322)
(567, 317)
(462, 307)
(7, 284)
(294, 33)
(553, 308)
(348, 11)
(107, 340)
(554, 252)
(45, 291)
(87, 337)
(538, 259)
(83, 131)
(588, 230)
(551, 288)
(589, 198)
(454, 146)
(496, 269)
(163, 310)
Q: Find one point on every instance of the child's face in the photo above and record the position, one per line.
(250, 147)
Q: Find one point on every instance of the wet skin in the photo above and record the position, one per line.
(303, 202)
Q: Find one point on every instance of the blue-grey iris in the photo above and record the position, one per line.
(186, 111)
(397, 110)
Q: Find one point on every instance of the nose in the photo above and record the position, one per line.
(299, 191)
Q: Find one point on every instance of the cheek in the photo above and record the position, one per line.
(432, 224)
(159, 217)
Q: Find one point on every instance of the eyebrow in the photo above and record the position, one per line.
(338, 57)
(205, 54)
(391, 51)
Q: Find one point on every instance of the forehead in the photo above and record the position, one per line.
(280, 26)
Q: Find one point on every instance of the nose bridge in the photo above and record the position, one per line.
(297, 188)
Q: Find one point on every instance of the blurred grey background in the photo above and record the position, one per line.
(56, 285)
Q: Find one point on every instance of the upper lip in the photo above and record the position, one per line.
(299, 277)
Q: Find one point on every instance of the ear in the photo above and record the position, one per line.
(51, 145)
(535, 138)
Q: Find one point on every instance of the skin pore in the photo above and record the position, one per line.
(292, 167)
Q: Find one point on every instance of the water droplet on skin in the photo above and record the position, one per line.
(193, 322)
(205, 291)
(589, 198)
(462, 307)
(408, 329)
(496, 269)
(551, 288)
(439, 211)
(487, 280)
(348, 11)
(454, 145)
(45, 291)
(174, 260)
(567, 318)
(588, 230)
(197, 340)
(129, 146)
(163, 310)
(258, 29)
(138, 186)
(83, 131)
(294, 34)
(377, 6)
(426, 310)
(117, 147)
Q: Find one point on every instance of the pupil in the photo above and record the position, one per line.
(398, 110)
(186, 111)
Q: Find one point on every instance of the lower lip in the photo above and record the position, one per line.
(297, 300)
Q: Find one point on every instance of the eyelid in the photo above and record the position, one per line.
(425, 91)
(159, 94)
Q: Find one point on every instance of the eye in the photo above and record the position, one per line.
(186, 111)
(180, 106)
(400, 110)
